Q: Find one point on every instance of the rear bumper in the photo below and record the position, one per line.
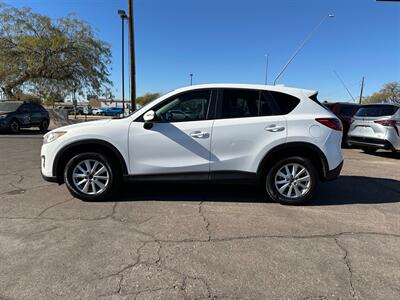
(358, 141)
(334, 173)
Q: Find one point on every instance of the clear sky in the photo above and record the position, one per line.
(226, 41)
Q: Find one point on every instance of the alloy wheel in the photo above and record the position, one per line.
(293, 180)
(90, 177)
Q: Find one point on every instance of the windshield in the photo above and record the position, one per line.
(9, 106)
(377, 111)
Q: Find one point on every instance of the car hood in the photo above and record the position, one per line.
(5, 112)
(83, 125)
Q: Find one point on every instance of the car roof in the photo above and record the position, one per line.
(342, 103)
(381, 104)
(276, 88)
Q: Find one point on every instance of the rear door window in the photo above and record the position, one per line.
(240, 103)
(243, 103)
(377, 111)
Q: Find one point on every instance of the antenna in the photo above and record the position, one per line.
(344, 85)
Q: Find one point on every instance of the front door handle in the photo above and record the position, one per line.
(274, 128)
(199, 135)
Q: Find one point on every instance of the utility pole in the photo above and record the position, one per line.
(266, 68)
(191, 78)
(132, 55)
(123, 16)
(362, 89)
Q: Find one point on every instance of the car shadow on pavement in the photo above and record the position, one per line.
(357, 190)
(344, 190)
(386, 154)
(24, 132)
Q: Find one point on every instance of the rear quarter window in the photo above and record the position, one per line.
(377, 111)
(286, 103)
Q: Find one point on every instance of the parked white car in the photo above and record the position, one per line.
(96, 111)
(281, 138)
(376, 126)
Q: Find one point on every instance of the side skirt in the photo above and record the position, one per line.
(225, 177)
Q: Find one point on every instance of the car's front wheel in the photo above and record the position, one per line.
(291, 180)
(369, 150)
(91, 177)
(14, 126)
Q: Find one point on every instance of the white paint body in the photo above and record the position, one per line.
(236, 144)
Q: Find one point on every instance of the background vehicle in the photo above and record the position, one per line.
(345, 112)
(376, 126)
(68, 108)
(15, 115)
(96, 111)
(280, 138)
(111, 111)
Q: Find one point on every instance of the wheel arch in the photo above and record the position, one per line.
(90, 145)
(303, 149)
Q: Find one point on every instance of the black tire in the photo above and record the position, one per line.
(113, 181)
(369, 150)
(44, 125)
(270, 186)
(14, 126)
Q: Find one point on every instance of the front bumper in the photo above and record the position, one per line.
(359, 141)
(49, 178)
(3, 124)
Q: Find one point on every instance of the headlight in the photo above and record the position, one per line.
(3, 116)
(52, 136)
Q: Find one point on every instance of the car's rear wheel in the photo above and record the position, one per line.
(291, 180)
(44, 125)
(369, 150)
(14, 126)
(91, 177)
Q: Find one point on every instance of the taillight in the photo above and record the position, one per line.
(332, 123)
(388, 122)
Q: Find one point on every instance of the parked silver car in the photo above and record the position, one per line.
(376, 126)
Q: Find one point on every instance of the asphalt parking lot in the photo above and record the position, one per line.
(199, 242)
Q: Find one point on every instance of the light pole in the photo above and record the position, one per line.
(302, 45)
(191, 79)
(132, 55)
(266, 68)
(123, 16)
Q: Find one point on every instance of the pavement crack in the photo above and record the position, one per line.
(205, 220)
(54, 205)
(348, 266)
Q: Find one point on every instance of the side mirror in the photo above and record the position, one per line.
(148, 119)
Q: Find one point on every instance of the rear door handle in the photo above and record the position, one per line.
(274, 128)
(199, 135)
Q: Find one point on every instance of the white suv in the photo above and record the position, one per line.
(278, 137)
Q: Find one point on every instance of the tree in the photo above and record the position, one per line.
(146, 98)
(389, 92)
(37, 52)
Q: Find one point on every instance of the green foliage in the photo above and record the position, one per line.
(37, 52)
(390, 91)
(146, 98)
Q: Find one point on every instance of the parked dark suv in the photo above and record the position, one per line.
(345, 112)
(15, 115)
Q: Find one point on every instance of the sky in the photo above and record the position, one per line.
(227, 40)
